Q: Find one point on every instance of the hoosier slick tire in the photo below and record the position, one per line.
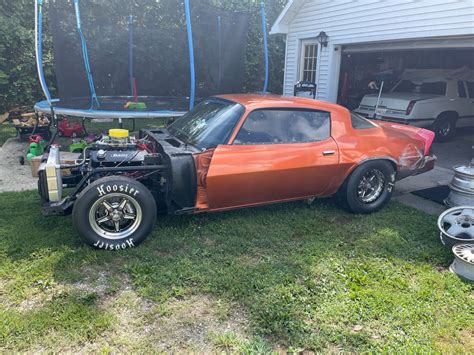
(368, 189)
(114, 213)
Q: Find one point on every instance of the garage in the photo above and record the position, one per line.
(365, 66)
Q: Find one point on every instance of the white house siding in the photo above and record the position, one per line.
(365, 21)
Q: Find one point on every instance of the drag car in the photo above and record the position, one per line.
(229, 152)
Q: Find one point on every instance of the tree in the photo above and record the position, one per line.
(18, 79)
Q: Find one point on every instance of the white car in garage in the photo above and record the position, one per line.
(438, 99)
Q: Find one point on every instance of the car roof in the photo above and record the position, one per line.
(253, 101)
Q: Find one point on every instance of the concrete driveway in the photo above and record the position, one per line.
(13, 176)
(459, 151)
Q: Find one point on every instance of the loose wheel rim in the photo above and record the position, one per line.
(370, 186)
(457, 223)
(115, 216)
(463, 264)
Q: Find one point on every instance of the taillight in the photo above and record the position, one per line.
(411, 104)
(428, 136)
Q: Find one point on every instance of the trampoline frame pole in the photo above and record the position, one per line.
(39, 48)
(192, 71)
(85, 56)
(265, 46)
(219, 49)
(130, 54)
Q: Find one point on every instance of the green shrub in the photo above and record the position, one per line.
(18, 79)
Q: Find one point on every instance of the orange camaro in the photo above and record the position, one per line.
(235, 151)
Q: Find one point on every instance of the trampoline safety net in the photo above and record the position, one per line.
(110, 52)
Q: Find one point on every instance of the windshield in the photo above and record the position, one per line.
(209, 124)
(435, 88)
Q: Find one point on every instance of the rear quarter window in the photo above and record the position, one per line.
(359, 122)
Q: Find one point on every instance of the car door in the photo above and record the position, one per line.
(278, 154)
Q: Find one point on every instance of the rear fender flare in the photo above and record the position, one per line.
(362, 162)
(386, 158)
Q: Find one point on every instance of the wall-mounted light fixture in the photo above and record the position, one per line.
(322, 39)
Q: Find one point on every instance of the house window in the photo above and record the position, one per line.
(309, 58)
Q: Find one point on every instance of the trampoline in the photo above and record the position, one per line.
(113, 107)
(142, 58)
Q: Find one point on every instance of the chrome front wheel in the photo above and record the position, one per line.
(115, 216)
(114, 213)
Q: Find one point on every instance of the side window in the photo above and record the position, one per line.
(359, 122)
(470, 88)
(461, 89)
(284, 126)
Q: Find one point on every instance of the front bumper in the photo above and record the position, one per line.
(60, 208)
(50, 208)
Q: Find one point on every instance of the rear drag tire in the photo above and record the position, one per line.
(348, 196)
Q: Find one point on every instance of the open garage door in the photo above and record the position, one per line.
(362, 65)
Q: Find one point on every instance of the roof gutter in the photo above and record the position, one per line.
(286, 16)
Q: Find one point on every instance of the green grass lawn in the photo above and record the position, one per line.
(285, 278)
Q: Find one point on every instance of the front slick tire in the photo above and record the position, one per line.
(114, 213)
(369, 188)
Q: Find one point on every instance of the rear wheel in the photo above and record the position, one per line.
(444, 127)
(114, 213)
(368, 188)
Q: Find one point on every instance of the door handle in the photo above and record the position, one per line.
(329, 152)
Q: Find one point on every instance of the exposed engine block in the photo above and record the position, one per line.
(117, 149)
(101, 156)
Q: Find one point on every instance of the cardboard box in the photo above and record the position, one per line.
(66, 158)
